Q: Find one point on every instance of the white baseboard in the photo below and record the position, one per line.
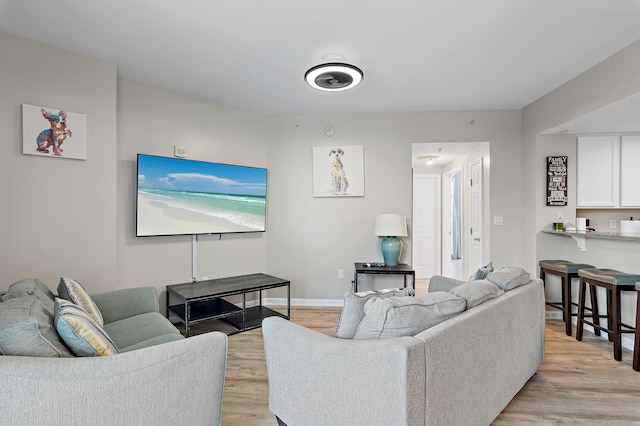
(626, 341)
(275, 301)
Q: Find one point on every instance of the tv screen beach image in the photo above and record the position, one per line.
(179, 197)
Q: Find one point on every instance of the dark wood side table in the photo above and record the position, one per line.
(378, 268)
(204, 300)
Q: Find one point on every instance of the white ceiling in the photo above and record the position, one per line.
(417, 55)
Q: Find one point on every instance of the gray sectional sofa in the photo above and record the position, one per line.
(158, 377)
(462, 371)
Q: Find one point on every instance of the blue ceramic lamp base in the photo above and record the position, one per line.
(391, 247)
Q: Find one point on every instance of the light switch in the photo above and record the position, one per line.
(498, 220)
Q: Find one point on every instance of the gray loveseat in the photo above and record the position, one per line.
(158, 377)
(462, 371)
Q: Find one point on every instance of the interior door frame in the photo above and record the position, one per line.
(480, 211)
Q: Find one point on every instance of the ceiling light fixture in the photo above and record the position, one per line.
(427, 159)
(334, 76)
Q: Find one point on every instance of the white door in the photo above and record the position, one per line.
(476, 243)
(426, 225)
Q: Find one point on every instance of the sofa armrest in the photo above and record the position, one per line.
(442, 283)
(315, 379)
(118, 304)
(179, 382)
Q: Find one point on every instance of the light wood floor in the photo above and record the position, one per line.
(579, 383)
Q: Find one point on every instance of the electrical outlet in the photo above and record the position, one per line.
(498, 220)
(560, 216)
(340, 273)
(612, 224)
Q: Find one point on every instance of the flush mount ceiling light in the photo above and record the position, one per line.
(427, 159)
(334, 76)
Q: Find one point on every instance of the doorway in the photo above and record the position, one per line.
(461, 241)
(452, 205)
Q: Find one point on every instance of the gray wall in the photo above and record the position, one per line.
(58, 215)
(607, 82)
(152, 121)
(611, 80)
(90, 236)
(70, 217)
(311, 238)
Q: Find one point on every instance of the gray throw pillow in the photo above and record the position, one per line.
(509, 277)
(407, 316)
(27, 329)
(481, 273)
(31, 287)
(477, 292)
(353, 310)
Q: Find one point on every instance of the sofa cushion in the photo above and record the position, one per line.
(481, 273)
(75, 292)
(509, 277)
(32, 287)
(477, 292)
(407, 316)
(139, 328)
(158, 340)
(27, 329)
(81, 332)
(353, 309)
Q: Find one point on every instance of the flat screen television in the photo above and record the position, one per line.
(178, 196)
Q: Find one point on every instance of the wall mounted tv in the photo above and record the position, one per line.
(186, 197)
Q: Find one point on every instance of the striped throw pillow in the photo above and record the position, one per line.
(80, 331)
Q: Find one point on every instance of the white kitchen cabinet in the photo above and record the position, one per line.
(630, 171)
(598, 177)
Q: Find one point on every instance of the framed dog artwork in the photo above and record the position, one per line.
(53, 132)
(338, 171)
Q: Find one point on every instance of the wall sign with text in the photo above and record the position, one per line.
(557, 181)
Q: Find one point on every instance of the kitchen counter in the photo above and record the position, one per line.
(581, 236)
(594, 234)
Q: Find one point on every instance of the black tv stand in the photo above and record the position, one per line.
(199, 301)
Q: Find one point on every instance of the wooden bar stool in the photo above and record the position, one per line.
(566, 270)
(636, 343)
(614, 282)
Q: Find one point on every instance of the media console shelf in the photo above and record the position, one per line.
(199, 301)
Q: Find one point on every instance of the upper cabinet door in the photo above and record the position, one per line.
(598, 167)
(630, 171)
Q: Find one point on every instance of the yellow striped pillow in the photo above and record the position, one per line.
(75, 292)
(80, 331)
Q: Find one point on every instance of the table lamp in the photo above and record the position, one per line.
(391, 226)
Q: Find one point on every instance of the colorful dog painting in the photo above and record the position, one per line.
(55, 134)
(339, 182)
(339, 174)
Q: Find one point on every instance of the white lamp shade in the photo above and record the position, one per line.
(390, 225)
